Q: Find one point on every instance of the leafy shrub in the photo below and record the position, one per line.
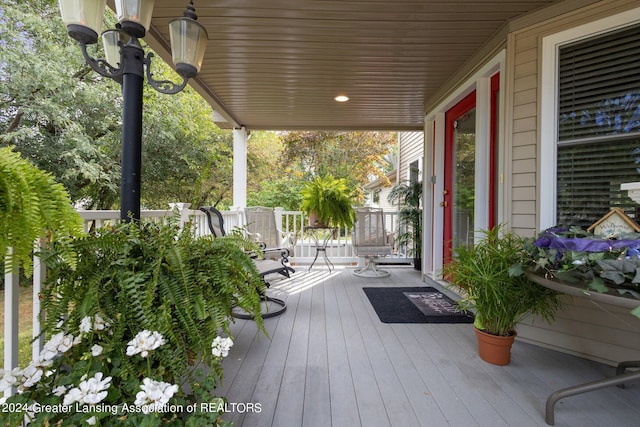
(137, 322)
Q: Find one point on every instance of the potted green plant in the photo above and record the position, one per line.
(578, 262)
(133, 329)
(490, 276)
(328, 201)
(409, 195)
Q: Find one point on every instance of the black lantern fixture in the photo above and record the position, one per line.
(125, 62)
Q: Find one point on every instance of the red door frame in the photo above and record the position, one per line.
(468, 103)
(493, 150)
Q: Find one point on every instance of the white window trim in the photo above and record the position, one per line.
(434, 157)
(547, 210)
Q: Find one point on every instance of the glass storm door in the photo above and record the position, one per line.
(459, 183)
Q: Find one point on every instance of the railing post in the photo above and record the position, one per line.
(11, 320)
(183, 212)
(39, 275)
(278, 214)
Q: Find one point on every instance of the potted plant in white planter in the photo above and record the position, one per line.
(490, 275)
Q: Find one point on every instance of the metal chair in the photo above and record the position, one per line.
(261, 226)
(264, 266)
(370, 241)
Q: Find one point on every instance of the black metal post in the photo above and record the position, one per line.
(131, 162)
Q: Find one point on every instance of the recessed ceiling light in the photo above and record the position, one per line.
(341, 98)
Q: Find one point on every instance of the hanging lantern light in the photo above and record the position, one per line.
(112, 40)
(188, 43)
(134, 16)
(83, 18)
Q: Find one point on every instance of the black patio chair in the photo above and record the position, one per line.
(265, 266)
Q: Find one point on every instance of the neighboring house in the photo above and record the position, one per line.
(541, 128)
(408, 167)
(377, 193)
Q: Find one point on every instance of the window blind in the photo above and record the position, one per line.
(598, 126)
(589, 177)
(599, 86)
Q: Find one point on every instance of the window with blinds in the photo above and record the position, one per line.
(598, 126)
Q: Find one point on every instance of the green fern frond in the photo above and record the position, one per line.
(32, 206)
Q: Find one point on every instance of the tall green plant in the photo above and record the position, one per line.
(409, 195)
(490, 276)
(32, 206)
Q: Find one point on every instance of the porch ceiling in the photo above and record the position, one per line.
(278, 64)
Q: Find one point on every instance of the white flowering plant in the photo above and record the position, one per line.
(145, 328)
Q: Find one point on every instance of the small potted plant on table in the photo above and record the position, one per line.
(328, 202)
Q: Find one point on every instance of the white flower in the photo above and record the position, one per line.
(28, 417)
(144, 342)
(99, 323)
(74, 395)
(9, 378)
(154, 393)
(96, 350)
(31, 375)
(59, 343)
(85, 325)
(59, 390)
(92, 421)
(89, 392)
(220, 346)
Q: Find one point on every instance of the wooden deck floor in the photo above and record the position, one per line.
(329, 361)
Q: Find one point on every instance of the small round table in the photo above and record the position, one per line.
(321, 237)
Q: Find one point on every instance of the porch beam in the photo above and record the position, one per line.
(240, 138)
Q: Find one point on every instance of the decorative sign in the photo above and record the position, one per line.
(614, 224)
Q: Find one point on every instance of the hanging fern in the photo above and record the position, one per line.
(32, 206)
(155, 278)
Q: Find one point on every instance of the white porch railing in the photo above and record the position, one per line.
(339, 250)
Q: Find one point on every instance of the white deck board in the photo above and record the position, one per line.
(329, 361)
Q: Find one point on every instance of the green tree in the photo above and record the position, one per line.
(356, 156)
(186, 157)
(52, 108)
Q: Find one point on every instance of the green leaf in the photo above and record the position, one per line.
(597, 284)
(200, 306)
(516, 270)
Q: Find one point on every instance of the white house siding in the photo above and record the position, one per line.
(599, 332)
(411, 148)
(383, 196)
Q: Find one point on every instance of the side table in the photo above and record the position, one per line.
(321, 237)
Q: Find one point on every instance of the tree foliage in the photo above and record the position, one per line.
(52, 108)
(67, 119)
(358, 157)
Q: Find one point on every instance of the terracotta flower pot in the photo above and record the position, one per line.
(494, 349)
(314, 220)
